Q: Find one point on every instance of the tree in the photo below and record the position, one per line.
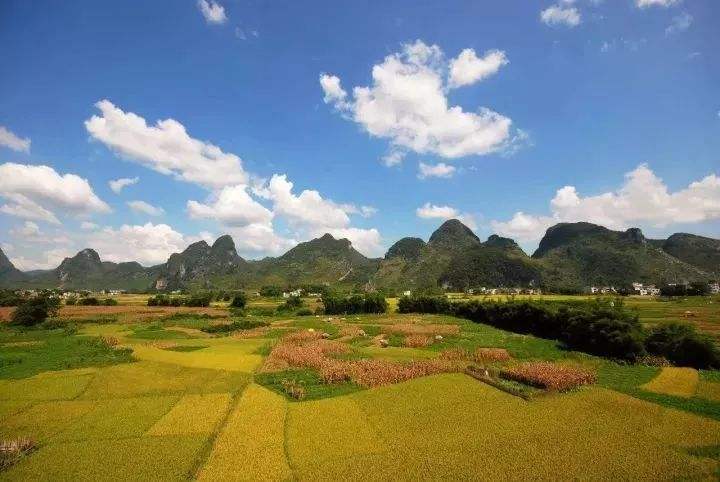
(35, 310)
(239, 301)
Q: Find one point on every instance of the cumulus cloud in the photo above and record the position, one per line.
(407, 103)
(467, 68)
(12, 141)
(394, 158)
(28, 231)
(148, 244)
(260, 238)
(435, 170)
(117, 185)
(643, 199)
(165, 147)
(232, 206)
(656, 3)
(680, 23)
(88, 226)
(145, 208)
(561, 14)
(433, 211)
(213, 12)
(46, 259)
(35, 192)
(312, 215)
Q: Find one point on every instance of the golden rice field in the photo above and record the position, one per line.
(190, 405)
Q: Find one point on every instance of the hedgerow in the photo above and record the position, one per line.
(354, 304)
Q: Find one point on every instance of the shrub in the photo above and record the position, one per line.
(598, 327)
(304, 312)
(271, 291)
(683, 345)
(110, 302)
(71, 301)
(291, 304)
(9, 298)
(550, 376)
(34, 311)
(199, 300)
(89, 301)
(354, 304)
(239, 301)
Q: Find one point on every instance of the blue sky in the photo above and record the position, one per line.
(607, 111)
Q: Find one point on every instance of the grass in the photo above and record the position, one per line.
(315, 388)
(55, 350)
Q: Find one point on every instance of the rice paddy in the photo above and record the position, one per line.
(171, 402)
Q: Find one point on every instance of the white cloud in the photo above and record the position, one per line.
(643, 199)
(368, 211)
(407, 104)
(148, 244)
(47, 259)
(367, 241)
(260, 238)
(166, 148)
(433, 211)
(467, 68)
(10, 140)
(88, 226)
(680, 23)
(32, 191)
(213, 12)
(435, 170)
(28, 230)
(394, 157)
(232, 206)
(656, 3)
(561, 15)
(145, 208)
(117, 185)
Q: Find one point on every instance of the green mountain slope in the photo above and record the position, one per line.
(699, 251)
(577, 255)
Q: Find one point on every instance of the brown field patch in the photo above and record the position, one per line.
(551, 376)
(5, 312)
(417, 341)
(134, 313)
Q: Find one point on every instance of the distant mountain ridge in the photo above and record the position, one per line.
(570, 256)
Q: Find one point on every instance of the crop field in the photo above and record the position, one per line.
(137, 392)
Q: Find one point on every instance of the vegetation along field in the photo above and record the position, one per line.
(268, 391)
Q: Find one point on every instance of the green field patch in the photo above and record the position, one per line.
(251, 445)
(146, 458)
(679, 382)
(193, 414)
(56, 351)
(119, 418)
(315, 388)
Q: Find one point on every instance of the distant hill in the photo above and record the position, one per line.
(570, 255)
(454, 257)
(576, 255)
(699, 251)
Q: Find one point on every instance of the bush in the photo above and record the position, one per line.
(89, 301)
(354, 304)
(9, 298)
(199, 300)
(290, 304)
(110, 302)
(71, 301)
(683, 345)
(304, 312)
(239, 301)
(598, 327)
(271, 291)
(34, 311)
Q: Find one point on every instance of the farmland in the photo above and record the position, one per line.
(138, 392)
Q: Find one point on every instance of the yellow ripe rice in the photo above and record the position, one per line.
(680, 382)
(193, 414)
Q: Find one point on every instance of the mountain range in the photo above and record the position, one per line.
(571, 256)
